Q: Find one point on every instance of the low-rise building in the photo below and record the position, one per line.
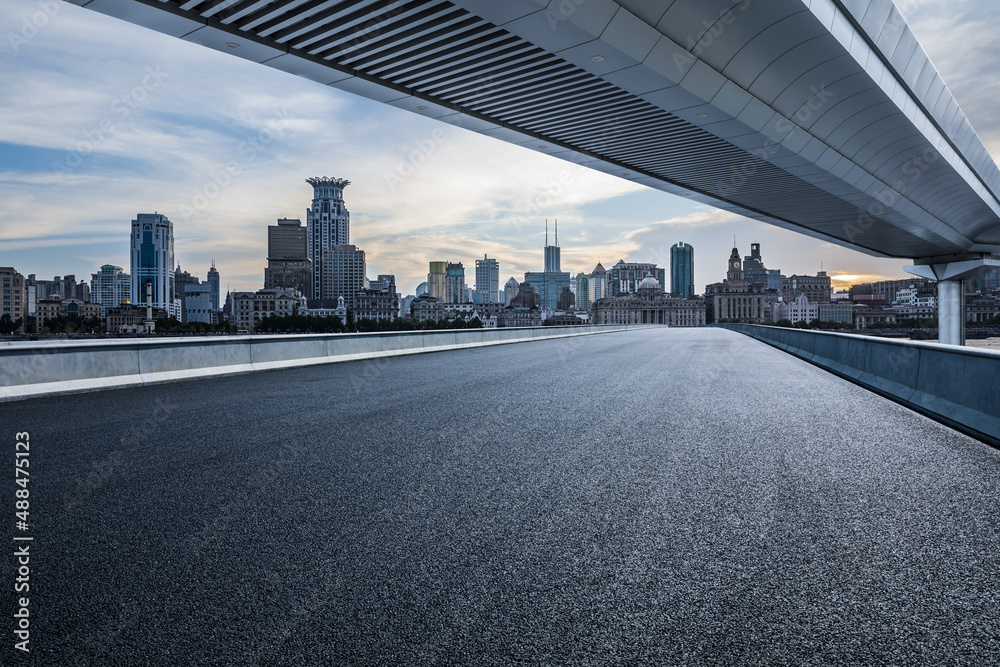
(376, 304)
(248, 308)
(50, 309)
(981, 308)
(837, 311)
(873, 318)
(519, 316)
(128, 318)
(649, 305)
(426, 307)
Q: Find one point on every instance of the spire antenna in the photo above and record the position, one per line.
(546, 231)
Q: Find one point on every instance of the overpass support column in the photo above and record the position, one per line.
(951, 312)
(951, 273)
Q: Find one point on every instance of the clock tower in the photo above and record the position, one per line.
(735, 273)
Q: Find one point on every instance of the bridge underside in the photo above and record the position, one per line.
(827, 119)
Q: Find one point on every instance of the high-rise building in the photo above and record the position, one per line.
(15, 295)
(436, 280)
(181, 281)
(487, 279)
(288, 264)
(109, 287)
(454, 283)
(552, 261)
(509, 290)
(213, 284)
(328, 224)
(682, 269)
(598, 283)
(549, 283)
(582, 291)
(344, 273)
(153, 260)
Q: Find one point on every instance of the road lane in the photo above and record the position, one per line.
(670, 496)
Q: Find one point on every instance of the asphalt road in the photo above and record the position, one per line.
(657, 496)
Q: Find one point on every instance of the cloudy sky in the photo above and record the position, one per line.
(101, 119)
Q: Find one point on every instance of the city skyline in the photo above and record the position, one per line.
(99, 129)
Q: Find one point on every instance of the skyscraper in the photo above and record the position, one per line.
(288, 264)
(454, 283)
(153, 259)
(552, 251)
(436, 279)
(487, 279)
(582, 291)
(550, 282)
(213, 284)
(509, 290)
(682, 269)
(328, 224)
(109, 287)
(344, 273)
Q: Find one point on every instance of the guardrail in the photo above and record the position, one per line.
(958, 386)
(44, 368)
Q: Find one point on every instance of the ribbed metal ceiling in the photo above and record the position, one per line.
(438, 51)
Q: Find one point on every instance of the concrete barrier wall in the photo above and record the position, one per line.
(55, 367)
(959, 386)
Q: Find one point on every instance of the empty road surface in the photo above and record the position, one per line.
(660, 496)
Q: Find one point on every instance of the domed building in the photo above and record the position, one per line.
(649, 304)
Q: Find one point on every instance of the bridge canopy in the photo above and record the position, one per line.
(821, 116)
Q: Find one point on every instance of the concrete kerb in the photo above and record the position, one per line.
(126, 363)
(957, 386)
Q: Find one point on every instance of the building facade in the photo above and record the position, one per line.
(50, 309)
(377, 304)
(110, 287)
(454, 283)
(15, 294)
(129, 318)
(153, 259)
(249, 308)
(487, 279)
(624, 277)
(198, 304)
(426, 307)
(583, 300)
(649, 305)
(734, 299)
(682, 270)
(328, 225)
(288, 265)
(343, 275)
(213, 282)
(509, 290)
(436, 278)
(815, 288)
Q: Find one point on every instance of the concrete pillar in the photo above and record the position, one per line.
(951, 272)
(951, 312)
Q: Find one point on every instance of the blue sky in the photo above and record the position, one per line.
(101, 119)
